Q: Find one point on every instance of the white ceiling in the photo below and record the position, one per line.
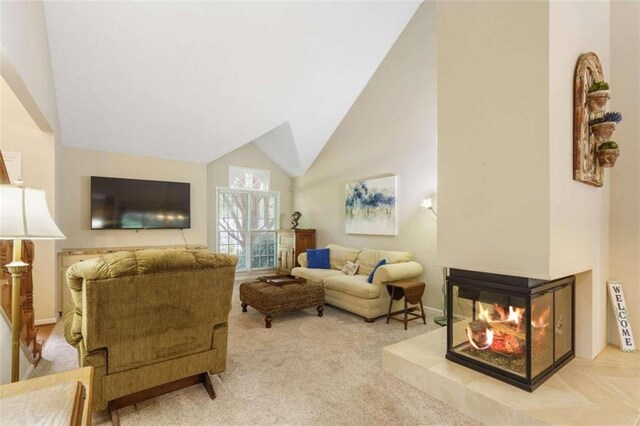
(195, 80)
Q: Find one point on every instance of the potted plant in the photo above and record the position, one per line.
(607, 154)
(597, 96)
(603, 127)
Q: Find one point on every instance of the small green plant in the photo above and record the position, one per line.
(599, 85)
(608, 145)
(613, 116)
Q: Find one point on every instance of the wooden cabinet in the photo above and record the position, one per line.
(292, 242)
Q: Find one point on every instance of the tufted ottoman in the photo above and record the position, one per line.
(271, 299)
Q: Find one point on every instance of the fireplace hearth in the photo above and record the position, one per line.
(518, 330)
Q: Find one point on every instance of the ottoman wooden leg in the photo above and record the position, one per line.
(244, 307)
(267, 321)
(320, 309)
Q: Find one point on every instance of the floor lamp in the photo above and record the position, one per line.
(24, 215)
(441, 320)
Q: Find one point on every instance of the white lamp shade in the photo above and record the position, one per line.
(427, 203)
(24, 215)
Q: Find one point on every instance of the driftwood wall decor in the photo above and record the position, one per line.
(585, 165)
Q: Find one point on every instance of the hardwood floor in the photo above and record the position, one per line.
(44, 331)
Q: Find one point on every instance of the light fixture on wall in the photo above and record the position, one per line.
(24, 215)
(427, 203)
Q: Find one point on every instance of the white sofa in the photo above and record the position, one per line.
(354, 293)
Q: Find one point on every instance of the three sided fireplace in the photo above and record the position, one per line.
(518, 330)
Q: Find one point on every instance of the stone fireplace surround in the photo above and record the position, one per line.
(597, 387)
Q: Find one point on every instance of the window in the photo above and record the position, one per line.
(245, 178)
(247, 224)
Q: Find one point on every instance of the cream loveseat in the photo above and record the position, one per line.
(353, 293)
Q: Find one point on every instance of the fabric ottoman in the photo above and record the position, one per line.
(271, 299)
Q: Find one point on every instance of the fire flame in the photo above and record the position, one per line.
(506, 316)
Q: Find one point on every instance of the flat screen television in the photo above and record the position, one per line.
(139, 204)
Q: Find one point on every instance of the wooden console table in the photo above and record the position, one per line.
(69, 256)
(76, 410)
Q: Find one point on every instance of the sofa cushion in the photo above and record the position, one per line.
(339, 255)
(368, 258)
(318, 258)
(315, 275)
(355, 285)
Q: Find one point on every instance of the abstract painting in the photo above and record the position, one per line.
(370, 206)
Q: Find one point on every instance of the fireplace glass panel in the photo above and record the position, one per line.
(541, 333)
(562, 323)
(490, 329)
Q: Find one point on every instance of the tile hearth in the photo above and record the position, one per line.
(602, 391)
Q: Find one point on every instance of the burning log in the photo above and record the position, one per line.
(480, 334)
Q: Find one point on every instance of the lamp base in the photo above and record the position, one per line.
(441, 321)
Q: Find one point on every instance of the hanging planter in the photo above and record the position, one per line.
(607, 154)
(597, 97)
(603, 127)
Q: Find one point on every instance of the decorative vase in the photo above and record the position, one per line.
(597, 101)
(603, 131)
(607, 157)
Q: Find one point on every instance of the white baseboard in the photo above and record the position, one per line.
(45, 321)
(438, 312)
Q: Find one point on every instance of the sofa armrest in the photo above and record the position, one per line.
(397, 271)
(302, 259)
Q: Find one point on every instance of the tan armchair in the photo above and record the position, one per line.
(148, 318)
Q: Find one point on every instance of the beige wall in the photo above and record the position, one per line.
(390, 129)
(246, 156)
(78, 165)
(19, 133)
(25, 45)
(625, 176)
(493, 126)
(579, 213)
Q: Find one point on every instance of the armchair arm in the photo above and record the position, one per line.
(302, 259)
(397, 271)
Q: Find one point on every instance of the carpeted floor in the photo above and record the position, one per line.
(304, 370)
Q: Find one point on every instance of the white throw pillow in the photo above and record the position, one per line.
(350, 268)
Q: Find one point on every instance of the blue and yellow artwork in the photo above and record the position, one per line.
(370, 206)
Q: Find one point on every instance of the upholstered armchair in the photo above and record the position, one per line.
(149, 318)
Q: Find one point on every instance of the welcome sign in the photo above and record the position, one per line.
(622, 316)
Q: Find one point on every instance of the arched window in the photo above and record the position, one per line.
(251, 179)
(247, 218)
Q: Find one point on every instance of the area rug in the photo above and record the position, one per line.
(305, 370)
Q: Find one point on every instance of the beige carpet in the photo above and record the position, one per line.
(304, 370)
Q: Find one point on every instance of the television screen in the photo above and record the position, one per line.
(139, 204)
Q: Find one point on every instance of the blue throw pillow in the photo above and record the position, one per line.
(318, 259)
(382, 262)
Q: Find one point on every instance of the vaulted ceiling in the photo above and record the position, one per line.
(195, 80)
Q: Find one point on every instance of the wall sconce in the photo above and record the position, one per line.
(427, 203)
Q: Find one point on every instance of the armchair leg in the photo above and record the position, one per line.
(206, 381)
(113, 414)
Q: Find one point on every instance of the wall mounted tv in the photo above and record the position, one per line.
(139, 204)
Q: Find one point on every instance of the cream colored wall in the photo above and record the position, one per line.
(246, 156)
(493, 126)
(624, 241)
(390, 129)
(19, 133)
(25, 44)
(579, 213)
(78, 165)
